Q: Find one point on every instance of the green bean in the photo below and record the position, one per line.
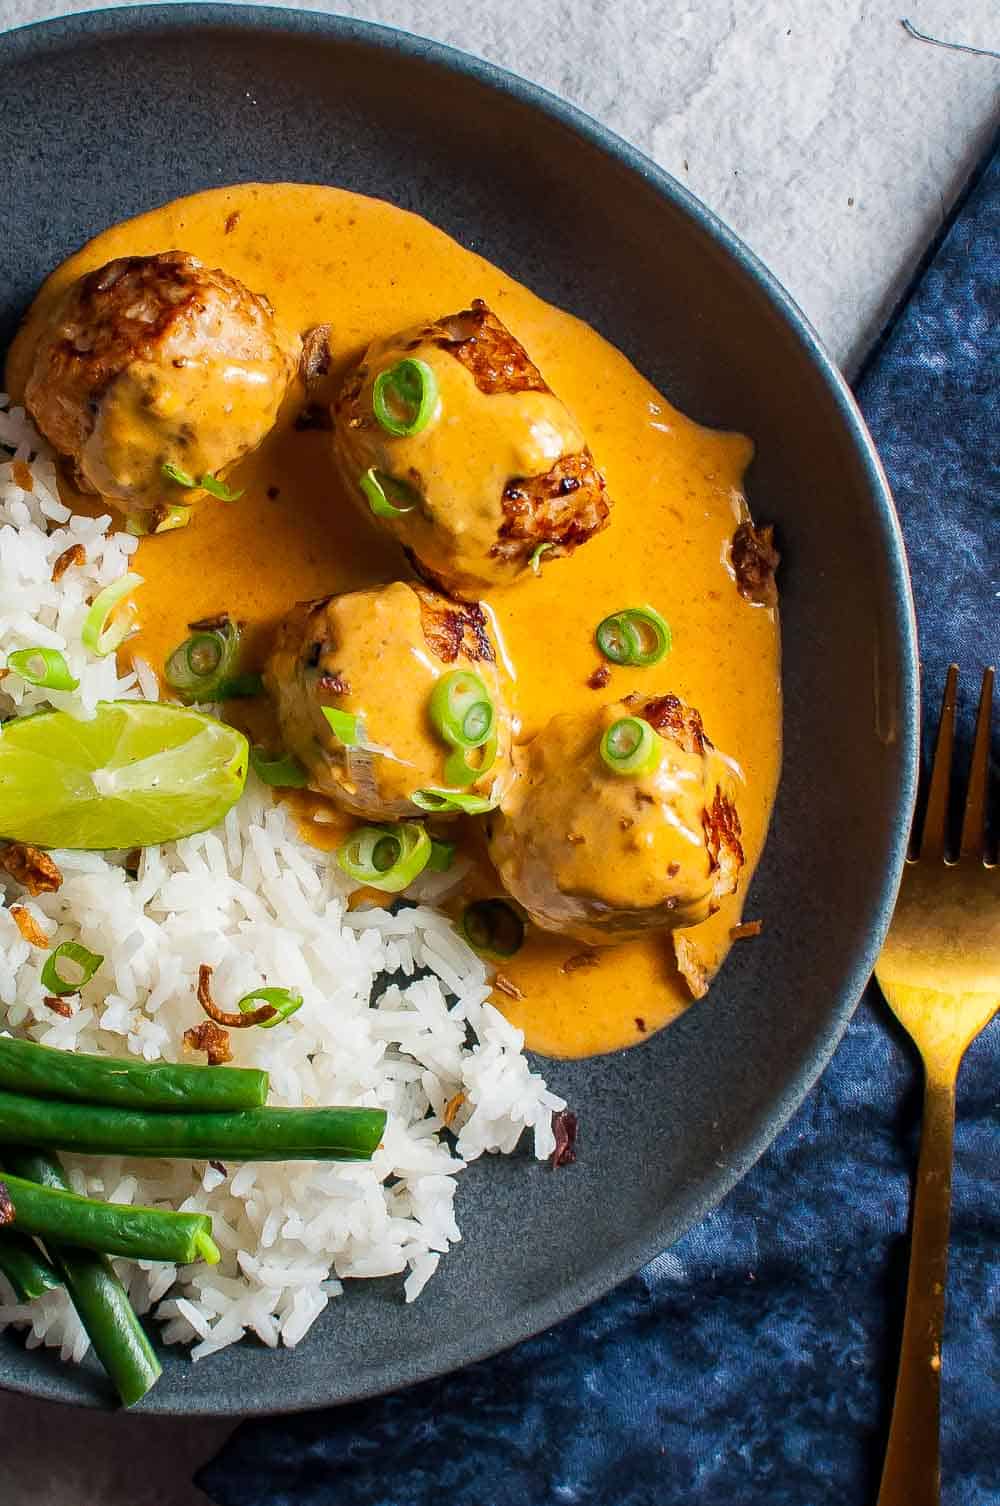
(110, 1228)
(43, 1071)
(118, 1338)
(326, 1134)
(25, 1267)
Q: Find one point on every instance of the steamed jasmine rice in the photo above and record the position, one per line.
(395, 1014)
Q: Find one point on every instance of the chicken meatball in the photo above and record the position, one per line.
(609, 831)
(154, 372)
(388, 694)
(450, 435)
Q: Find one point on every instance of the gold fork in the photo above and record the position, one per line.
(940, 972)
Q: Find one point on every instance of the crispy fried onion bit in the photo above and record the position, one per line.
(235, 1021)
(33, 869)
(451, 1109)
(28, 927)
(564, 1125)
(74, 555)
(212, 1035)
(212, 1039)
(6, 1206)
(690, 966)
(59, 1006)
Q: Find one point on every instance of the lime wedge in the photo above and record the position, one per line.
(140, 773)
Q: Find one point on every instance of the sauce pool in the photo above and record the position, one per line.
(366, 268)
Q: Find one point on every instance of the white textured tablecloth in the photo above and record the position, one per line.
(823, 134)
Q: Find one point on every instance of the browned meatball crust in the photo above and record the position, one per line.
(377, 656)
(157, 360)
(755, 561)
(501, 468)
(604, 857)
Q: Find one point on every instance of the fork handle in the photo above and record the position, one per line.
(911, 1475)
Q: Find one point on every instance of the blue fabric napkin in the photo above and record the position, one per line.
(755, 1360)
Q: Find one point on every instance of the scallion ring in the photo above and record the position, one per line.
(386, 857)
(535, 561)
(207, 483)
(283, 773)
(240, 687)
(343, 725)
(442, 856)
(217, 488)
(493, 927)
(459, 769)
(68, 968)
(405, 397)
(282, 1000)
(178, 476)
(387, 497)
(630, 746)
(199, 668)
(637, 636)
(462, 709)
(97, 635)
(164, 520)
(44, 667)
(451, 802)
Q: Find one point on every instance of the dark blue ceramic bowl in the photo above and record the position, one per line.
(108, 114)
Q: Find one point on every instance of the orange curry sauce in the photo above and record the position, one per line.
(367, 268)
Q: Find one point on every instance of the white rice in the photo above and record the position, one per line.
(259, 905)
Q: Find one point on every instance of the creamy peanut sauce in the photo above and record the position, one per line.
(368, 269)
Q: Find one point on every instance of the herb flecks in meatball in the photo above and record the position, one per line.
(152, 362)
(375, 657)
(603, 855)
(480, 467)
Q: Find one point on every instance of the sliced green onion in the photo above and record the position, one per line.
(459, 770)
(446, 802)
(615, 640)
(282, 1000)
(240, 687)
(386, 857)
(97, 635)
(387, 497)
(442, 856)
(343, 725)
(44, 667)
(174, 473)
(636, 635)
(217, 488)
(630, 746)
(207, 483)
(461, 709)
(203, 653)
(165, 520)
(493, 927)
(285, 773)
(69, 967)
(405, 397)
(536, 556)
(199, 667)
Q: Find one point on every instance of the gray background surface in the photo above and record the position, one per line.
(834, 144)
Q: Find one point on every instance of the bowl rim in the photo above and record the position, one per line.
(72, 29)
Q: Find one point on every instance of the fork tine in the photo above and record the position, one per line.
(973, 843)
(932, 842)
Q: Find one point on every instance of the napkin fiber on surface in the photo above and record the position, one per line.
(755, 1360)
